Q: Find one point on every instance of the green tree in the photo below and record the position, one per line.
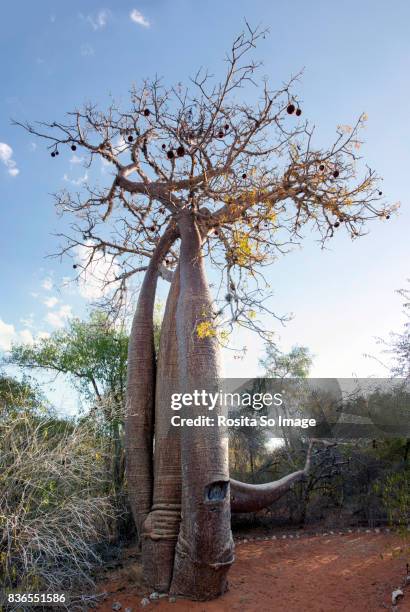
(17, 396)
(93, 353)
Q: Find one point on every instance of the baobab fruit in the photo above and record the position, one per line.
(73, 147)
(180, 151)
(321, 167)
(164, 146)
(336, 173)
(170, 154)
(228, 297)
(380, 193)
(387, 216)
(298, 112)
(53, 154)
(147, 112)
(130, 138)
(337, 224)
(57, 152)
(74, 266)
(226, 126)
(152, 228)
(244, 175)
(290, 109)
(221, 134)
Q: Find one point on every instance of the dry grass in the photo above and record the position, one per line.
(53, 506)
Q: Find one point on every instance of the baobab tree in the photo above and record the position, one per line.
(199, 177)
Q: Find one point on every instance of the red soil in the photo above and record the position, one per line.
(327, 573)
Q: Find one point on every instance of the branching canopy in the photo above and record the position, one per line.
(250, 172)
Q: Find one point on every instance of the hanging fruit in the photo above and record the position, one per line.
(53, 154)
(298, 112)
(290, 109)
(244, 175)
(336, 173)
(170, 154)
(73, 147)
(164, 146)
(181, 151)
(130, 138)
(321, 167)
(147, 112)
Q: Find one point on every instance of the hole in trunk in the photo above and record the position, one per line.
(216, 491)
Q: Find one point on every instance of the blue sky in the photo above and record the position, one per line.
(356, 57)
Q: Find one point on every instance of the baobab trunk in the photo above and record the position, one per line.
(139, 422)
(161, 528)
(204, 550)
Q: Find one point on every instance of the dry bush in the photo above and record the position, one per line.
(53, 505)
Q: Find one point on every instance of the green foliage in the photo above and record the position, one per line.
(295, 364)
(16, 395)
(395, 492)
(93, 353)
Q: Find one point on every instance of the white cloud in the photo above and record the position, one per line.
(92, 282)
(8, 335)
(42, 335)
(57, 318)
(28, 322)
(139, 18)
(80, 181)
(26, 336)
(51, 302)
(6, 157)
(96, 20)
(75, 159)
(47, 284)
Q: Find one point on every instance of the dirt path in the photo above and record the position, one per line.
(354, 572)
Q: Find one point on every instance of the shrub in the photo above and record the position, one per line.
(53, 509)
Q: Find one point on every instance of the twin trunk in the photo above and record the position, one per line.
(182, 500)
(181, 504)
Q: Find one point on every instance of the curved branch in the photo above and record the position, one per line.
(253, 497)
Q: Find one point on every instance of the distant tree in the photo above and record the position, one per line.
(235, 183)
(93, 354)
(295, 364)
(399, 344)
(19, 395)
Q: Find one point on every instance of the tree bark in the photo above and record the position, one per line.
(204, 550)
(161, 528)
(252, 497)
(139, 420)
